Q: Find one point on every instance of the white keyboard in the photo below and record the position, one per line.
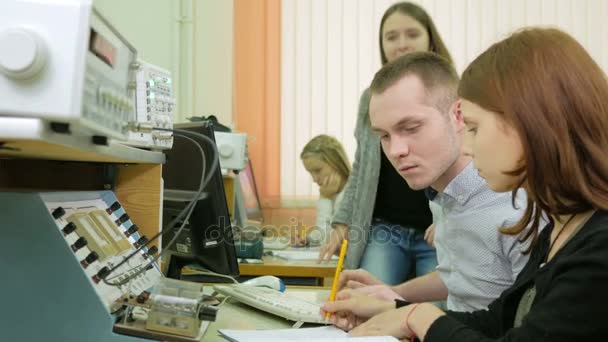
(274, 302)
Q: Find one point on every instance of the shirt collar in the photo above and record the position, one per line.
(430, 193)
(463, 186)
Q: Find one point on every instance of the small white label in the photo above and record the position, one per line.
(182, 248)
(210, 243)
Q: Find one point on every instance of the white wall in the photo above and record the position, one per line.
(330, 54)
(213, 64)
(192, 39)
(152, 36)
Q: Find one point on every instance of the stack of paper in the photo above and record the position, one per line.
(321, 334)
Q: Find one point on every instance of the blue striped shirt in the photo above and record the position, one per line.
(475, 260)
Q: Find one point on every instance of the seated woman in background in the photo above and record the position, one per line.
(324, 158)
(536, 113)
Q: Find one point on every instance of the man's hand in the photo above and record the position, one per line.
(331, 185)
(351, 309)
(338, 233)
(429, 235)
(354, 279)
(381, 292)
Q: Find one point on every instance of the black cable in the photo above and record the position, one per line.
(186, 211)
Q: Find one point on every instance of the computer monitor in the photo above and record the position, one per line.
(207, 238)
(248, 205)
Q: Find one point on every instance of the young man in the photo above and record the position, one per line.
(414, 109)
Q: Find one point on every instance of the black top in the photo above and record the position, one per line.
(397, 203)
(571, 302)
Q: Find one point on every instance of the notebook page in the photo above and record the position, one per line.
(320, 334)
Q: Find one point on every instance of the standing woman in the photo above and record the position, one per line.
(383, 219)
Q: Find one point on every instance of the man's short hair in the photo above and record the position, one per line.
(437, 74)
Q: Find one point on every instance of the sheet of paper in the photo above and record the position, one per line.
(276, 243)
(284, 334)
(299, 254)
(320, 334)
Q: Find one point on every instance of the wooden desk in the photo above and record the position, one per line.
(322, 273)
(235, 315)
(291, 268)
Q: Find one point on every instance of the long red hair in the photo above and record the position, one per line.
(544, 83)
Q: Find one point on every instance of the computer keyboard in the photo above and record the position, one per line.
(274, 302)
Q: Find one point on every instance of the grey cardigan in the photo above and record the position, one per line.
(357, 206)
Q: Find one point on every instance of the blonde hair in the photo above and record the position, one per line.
(329, 150)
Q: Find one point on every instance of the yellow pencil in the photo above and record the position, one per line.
(334, 286)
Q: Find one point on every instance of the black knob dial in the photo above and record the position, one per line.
(131, 230)
(57, 213)
(122, 219)
(69, 228)
(152, 250)
(81, 242)
(115, 206)
(103, 272)
(92, 257)
(142, 241)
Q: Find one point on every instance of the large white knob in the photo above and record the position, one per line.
(22, 53)
(225, 151)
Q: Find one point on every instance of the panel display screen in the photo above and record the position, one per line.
(102, 48)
